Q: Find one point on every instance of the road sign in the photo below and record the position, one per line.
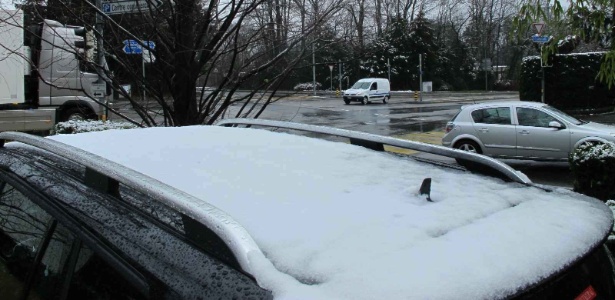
(540, 39)
(134, 47)
(98, 90)
(538, 27)
(128, 7)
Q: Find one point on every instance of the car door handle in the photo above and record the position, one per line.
(483, 130)
(524, 132)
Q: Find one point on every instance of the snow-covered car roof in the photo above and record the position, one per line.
(504, 102)
(338, 221)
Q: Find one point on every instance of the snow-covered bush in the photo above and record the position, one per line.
(307, 86)
(593, 168)
(87, 126)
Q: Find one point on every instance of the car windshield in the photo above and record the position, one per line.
(565, 116)
(361, 85)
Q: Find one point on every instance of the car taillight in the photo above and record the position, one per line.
(449, 127)
(588, 294)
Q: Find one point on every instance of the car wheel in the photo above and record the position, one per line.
(74, 114)
(468, 145)
(364, 100)
(385, 99)
(346, 101)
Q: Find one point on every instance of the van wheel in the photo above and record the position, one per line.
(385, 99)
(366, 100)
(346, 101)
(363, 101)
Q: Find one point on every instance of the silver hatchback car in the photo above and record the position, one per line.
(522, 130)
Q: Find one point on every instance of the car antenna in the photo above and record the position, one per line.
(426, 188)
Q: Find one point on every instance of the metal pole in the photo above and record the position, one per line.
(313, 69)
(486, 75)
(542, 80)
(420, 77)
(331, 76)
(389, 66)
(143, 74)
(339, 66)
(101, 56)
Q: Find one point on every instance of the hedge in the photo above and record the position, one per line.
(571, 82)
(593, 168)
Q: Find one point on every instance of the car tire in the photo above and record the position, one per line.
(74, 114)
(468, 145)
(364, 101)
(385, 99)
(346, 101)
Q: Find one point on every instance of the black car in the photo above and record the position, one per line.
(74, 225)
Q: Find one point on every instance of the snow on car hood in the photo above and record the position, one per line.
(354, 91)
(342, 222)
(606, 129)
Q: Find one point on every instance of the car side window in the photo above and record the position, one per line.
(492, 115)
(533, 117)
(374, 86)
(94, 279)
(37, 257)
(50, 272)
(23, 225)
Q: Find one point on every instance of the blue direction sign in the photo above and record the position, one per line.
(540, 39)
(134, 47)
(115, 7)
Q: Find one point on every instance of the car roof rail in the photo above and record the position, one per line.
(483, 164)
(235, 236)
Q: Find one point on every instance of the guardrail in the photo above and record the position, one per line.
(377, 142)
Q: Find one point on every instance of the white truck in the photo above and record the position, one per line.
(43, 76)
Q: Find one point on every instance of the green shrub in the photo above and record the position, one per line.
(571, 83)
(70, 127)
(593, 168)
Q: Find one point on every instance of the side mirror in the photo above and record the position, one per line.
(556, 125)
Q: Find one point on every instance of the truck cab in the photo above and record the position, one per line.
(42, 75)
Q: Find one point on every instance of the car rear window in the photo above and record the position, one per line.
(492, 115)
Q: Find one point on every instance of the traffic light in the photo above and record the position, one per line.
(86, 43)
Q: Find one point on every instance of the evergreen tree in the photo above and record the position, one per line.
(422, 42)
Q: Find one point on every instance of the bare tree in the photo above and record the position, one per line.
(204, 53)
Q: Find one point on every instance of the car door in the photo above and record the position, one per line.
(494, 128)
(536, 140)
(373, 91)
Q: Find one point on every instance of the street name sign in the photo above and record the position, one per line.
(540, 39)
(128, 7)
(134, 47)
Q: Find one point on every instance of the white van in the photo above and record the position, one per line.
(367, 90)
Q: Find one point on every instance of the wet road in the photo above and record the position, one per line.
(405, 118)
(408, 119)
(400, 116)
